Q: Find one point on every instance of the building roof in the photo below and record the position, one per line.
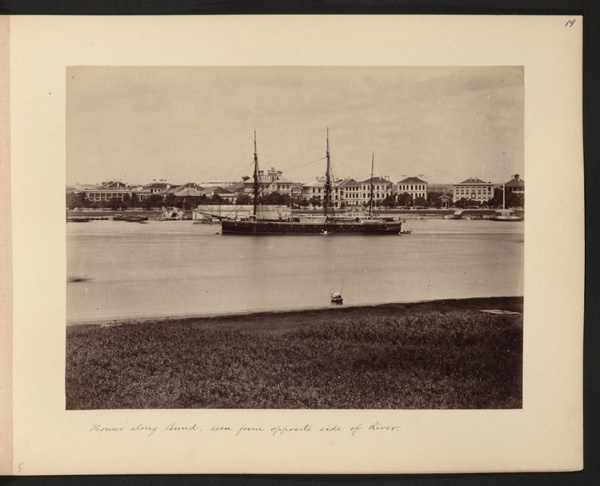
(412, 180)
(348, 182)
(157, 185)
(376, 180)
(216, 190)
(516, 181)
(188, 185)
(185, 191)
(472, 180)
(113, 185)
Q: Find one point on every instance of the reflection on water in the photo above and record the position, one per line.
(176, 267)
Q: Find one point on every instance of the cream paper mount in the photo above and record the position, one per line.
(39, 436)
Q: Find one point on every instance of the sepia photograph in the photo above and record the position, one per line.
(294, 237)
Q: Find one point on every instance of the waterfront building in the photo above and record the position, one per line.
(316, 189)
(382, 187)
(445, 201)
(269, 181)
(225, 194)
(414, 187)
(350, 193)
(473, 189)
(184, 190)
(516, 185)
(108, 191)
(156, 187)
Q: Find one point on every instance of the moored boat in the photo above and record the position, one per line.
(78, 219)
(131, 218)
(506, 215)
(329, 224)
(336, 298)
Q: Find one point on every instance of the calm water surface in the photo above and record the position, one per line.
(166, 268)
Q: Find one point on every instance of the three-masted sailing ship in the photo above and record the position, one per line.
(328, 224)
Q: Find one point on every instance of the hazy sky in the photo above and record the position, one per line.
(188, 124)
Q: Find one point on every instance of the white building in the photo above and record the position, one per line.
(473, 189)
(413, 186)
(316, 189)
(382, 188)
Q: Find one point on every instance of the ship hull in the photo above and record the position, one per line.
(297, 228)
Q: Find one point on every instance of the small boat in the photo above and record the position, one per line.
(406, 232)
(78, 219)
(336, 298)
(78, 279)
(458, 214)
(131, 219)
(506, 215)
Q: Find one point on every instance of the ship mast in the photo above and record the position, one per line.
(327, 180)
(255, 186)
(371, 199)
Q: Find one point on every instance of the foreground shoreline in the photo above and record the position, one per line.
(430, 355)
(242, 318)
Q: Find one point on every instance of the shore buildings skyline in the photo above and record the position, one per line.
(346, 192)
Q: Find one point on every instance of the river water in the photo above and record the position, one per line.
(168, 268)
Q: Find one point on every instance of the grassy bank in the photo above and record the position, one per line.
(444, 354)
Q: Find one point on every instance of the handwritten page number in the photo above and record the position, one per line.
(20, 467)
(570, 23)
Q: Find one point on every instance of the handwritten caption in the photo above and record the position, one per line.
(151, 430)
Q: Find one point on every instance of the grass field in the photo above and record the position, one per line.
(435, 355)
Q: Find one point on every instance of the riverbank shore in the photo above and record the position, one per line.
(445, 354)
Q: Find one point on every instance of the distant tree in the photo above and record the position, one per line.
(171, 201)
(134, 200)
(404, 199)
(514, 200)
(389, 201)
(433, 199)
(76, 200)
(243, 199)
(215, 199)
(152, 201)
(420, 201)
(466, 203)
(115, 204)
(496, 201)
(276, 199)
(314, 201)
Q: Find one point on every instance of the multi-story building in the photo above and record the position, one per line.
(382, 187)
(473, 189)
(108, 191)
(350, 192)
(516, 185)
(269, 182)
(316, 189)
(413, 186)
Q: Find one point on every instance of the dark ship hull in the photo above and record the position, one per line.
(367, 227)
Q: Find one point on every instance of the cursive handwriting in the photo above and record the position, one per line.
(149, 429)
